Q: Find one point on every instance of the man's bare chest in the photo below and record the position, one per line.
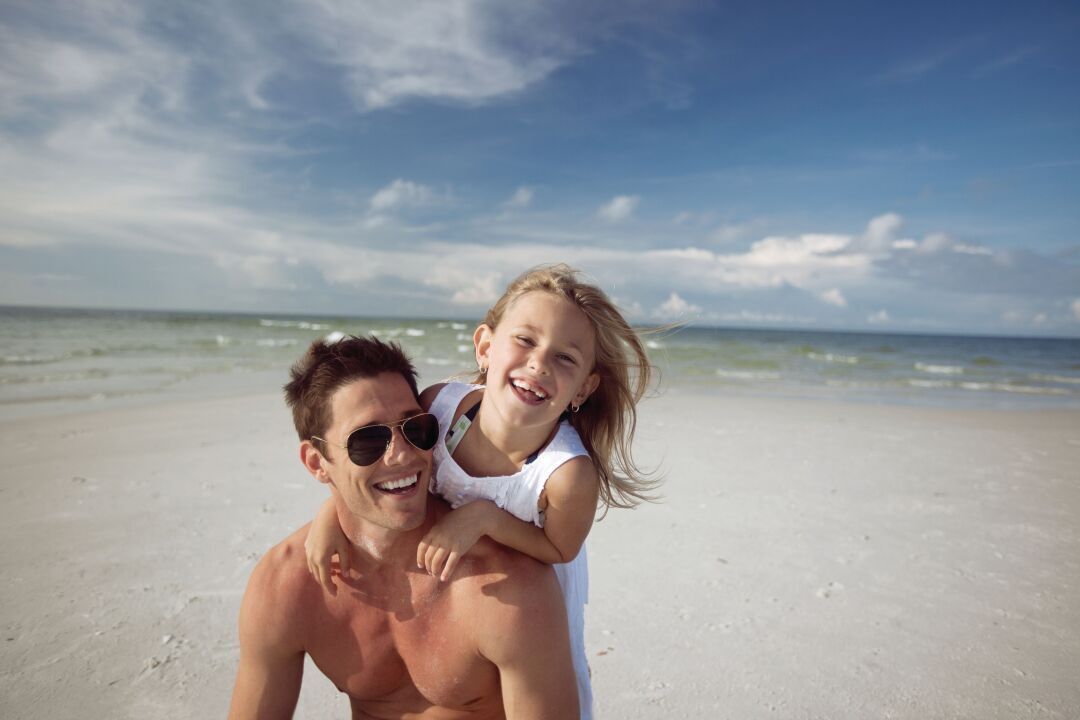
(415, 656)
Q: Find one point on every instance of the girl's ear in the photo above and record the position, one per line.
(587, 388)
(482, 342)
(314, 462)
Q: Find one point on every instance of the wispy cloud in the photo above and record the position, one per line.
(391, 52)
(915, 67)
(402, 193)
(619, 208)
(1006, 61)
(522, 198)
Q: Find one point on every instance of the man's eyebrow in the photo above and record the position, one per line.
(405, 414)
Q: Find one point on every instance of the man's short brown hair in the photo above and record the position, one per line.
(327, 366)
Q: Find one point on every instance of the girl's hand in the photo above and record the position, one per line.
(324, 540)
(452, 537)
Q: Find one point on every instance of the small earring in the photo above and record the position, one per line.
(574, 408)
(481, 369)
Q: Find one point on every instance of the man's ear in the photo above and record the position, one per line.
(314, 461)
(482, 342)
(587, 388)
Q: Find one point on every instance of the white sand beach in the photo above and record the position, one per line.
(811, 559)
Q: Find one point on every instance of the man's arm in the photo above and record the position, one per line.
(528, 640)
(271, 649)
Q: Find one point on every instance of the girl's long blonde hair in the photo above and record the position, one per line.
(608, 419)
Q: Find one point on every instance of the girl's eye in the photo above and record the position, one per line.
(568, 358)
(524, 340)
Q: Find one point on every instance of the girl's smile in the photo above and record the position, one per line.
(540, 355)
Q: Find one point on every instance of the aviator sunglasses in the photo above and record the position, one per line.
(368, 444)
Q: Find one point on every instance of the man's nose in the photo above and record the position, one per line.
(399, 450)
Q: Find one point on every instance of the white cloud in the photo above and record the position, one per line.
(1076, 309)
(730, 233)
(767, 318)
(436, 49)
(402, 193)
(373, 222)
(971, 249)
(833, 296)
(786, 252)
(1024, 318)
(878, 318)
(935, 243)
(675, 307)
(619, 208)
(264, 272)
(881, 230)
(521, 198)
(484, 290)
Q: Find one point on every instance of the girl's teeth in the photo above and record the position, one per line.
(524, 386)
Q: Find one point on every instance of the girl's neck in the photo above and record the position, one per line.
(499, 437)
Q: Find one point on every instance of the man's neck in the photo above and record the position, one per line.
(381, 547)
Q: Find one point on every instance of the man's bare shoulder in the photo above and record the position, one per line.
(281, 591)
(507, 585)
(512, 605)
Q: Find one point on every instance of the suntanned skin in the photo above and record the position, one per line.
(490, 643)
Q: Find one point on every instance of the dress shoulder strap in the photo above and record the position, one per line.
(446, 402)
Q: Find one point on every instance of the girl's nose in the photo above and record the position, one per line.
(538, 362)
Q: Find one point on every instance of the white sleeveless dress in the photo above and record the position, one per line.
(518, 494)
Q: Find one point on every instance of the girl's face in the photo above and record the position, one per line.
(539, 359)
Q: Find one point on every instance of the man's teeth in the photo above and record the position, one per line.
(525, 386)
(397, 484)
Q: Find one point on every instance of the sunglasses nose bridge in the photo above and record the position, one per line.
(397, 444)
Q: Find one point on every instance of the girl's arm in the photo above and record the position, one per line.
(325, 539)
(571, 491)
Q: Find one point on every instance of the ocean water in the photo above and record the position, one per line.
(58, 359)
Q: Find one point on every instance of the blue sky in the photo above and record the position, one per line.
(907, 167)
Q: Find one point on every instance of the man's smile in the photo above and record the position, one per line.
(401, 486)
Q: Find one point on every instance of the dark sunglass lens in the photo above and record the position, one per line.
(422, 431)
(367, 444)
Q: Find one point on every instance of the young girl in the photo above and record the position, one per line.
(524, 454)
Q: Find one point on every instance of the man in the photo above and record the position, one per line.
(490, 643)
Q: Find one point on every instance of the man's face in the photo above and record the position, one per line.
(381, 493)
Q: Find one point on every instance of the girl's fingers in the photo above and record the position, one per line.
(421, 553)
(451, 566)
(436, 558)
(344, 558)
